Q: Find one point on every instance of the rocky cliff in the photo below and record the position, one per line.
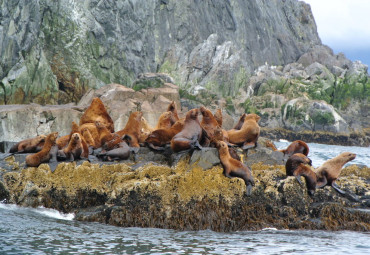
(53, 51)
(245, 56)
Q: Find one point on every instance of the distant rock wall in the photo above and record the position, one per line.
(52, 52)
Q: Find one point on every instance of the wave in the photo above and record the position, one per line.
(51, 213)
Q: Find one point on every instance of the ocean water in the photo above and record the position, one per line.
(319, 153)
(46, 231)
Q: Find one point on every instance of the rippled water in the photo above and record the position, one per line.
(43, 231)
(319, 153)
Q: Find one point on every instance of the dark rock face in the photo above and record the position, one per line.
(53, 51)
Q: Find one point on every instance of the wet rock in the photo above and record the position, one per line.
(205, 158)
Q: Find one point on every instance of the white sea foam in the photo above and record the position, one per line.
(52, 213)
(268, 229)
(283, 141)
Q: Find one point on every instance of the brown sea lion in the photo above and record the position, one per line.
(209, 122)
(74, 150)
(113, 143)
(218, 116)
(97, 112)
(30, 145)
(42, 156)
(235, 168)
(190, 135)
(297, 146)
(93, 131)
(104, 134)
(248, 134)
(132, 128)
(328, 172)
(298, 165)
(160, 137)
(173, 108)
(166, 120)
(88, 137)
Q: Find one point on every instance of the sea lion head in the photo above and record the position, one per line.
(53, 137)
(205, 112)
(172, 106)
(348, 156)
(221, 146)
(193, 114)
(41, 138)
(252, 116)
(98, 124)
(75, 136)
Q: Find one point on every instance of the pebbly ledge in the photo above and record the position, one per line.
(188, 192)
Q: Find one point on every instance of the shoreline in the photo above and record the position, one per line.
(329, 138)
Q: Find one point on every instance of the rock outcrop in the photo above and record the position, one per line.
(188, 192)
(52, 52)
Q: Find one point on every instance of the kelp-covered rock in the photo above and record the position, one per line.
(188, 197)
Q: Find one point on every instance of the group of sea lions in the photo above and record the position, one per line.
(298, 164)
(95, 135)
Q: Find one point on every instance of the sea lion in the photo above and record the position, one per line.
(132, 128)
(93, 131)
(88, 137)
(145, 130)
(122, 152)
(248, 134)
(218, 116)
(190, 135)
(74, 150)
(104, 134)
(160, 137)
(298, 165)
(113, 143)
(166, 120)
(30, 145)
(97, 112)
(172, 107)
(44, 155)
(297, 146)
(328, 172)
(209, 122)
(235, 168)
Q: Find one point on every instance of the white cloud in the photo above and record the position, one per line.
(343, 23)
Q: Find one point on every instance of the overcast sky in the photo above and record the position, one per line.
(344, 25)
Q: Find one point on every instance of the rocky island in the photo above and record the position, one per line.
(260, 57)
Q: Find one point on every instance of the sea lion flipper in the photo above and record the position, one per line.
(298, 177)
(337, 189)
(154, 147)
(321, 183)
(247, 146)
(249, 189)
